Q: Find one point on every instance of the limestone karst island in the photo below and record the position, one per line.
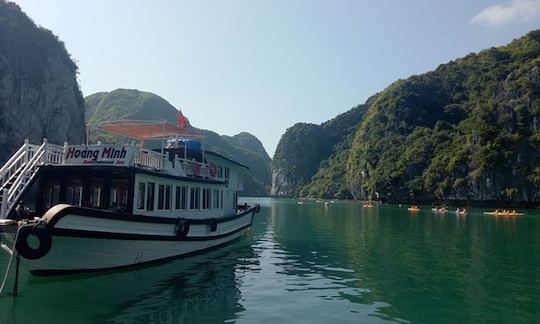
(269, 162)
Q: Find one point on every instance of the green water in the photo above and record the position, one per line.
(314, 264)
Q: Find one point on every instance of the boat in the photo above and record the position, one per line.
(460, 212)
(439, 210)
(368, 205)
(503, 213)
(100, 206)
(413, 209)
(300, 202)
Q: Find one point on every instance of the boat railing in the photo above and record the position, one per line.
(33, 159)
(19, 159)
(194, 168)
(54, 154)
(149, 159)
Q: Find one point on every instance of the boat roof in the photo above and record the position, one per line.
(147, 130)
(207, 152)
(227, 159)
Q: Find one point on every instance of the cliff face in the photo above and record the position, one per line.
(39, 94)
(466, 131)
(133, 104)
(303, 149)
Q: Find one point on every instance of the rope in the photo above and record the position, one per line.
(10, 259)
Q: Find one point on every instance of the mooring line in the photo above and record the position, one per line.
(10, 259)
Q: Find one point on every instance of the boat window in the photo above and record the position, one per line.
(97, 188)
(194, 198)
(164, 197)
(141, 194)
(168, 197)
(181, 200)
(74, 191)
(161, 196)
(206, 198)
(220, 172)
(215, 198)
(119, 193)
(227, 173)
(150, 196)
(52, 193)
(221, 200)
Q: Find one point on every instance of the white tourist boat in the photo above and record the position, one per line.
(90, 207)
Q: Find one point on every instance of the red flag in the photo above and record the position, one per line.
(182, 122)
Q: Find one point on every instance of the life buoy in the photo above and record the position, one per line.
(196, 168)
(181, 228)
(213, 169)
(212, 223)
(42, 234)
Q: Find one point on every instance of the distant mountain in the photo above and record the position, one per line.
(139, 105)
(39, 94)
(468, 131)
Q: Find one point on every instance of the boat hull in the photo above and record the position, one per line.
(85, 242)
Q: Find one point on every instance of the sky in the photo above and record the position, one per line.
(262, 66)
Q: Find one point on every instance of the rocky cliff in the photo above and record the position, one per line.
(39, 94)
(304, 148)
(467, 131)
(133, 104)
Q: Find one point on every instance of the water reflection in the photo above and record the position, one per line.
(315, 264)
(200, 289)
(410, 267)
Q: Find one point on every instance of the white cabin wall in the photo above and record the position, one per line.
(173, 212)
(235, 172)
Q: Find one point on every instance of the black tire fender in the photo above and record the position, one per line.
(44, 237)
(181, 228)
(212, 223)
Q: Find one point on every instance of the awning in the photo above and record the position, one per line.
(147, 130)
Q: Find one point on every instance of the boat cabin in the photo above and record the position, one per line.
(181, 179)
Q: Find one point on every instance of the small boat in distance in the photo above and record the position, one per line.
(369, 204)
(460, 211)
(94, 207)
(413, 209)
(440, 210)
(503, 212)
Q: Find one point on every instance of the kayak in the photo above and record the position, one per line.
(493, 213)
(368, 206)
(411, 209)
(439, 211)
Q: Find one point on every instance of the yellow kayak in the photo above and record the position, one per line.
(412, 209)
(368, 206)
(496, 213)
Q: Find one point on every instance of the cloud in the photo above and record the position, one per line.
(508, 12)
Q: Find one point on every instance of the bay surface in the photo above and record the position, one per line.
(315, 264)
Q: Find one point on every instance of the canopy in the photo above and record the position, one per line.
(147, 130)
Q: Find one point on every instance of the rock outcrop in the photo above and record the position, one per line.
(304, 148)
(467, 131)
(39, 93)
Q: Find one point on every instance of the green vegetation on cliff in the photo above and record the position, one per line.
(304, 148)
(139, 105)
(467, 131)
